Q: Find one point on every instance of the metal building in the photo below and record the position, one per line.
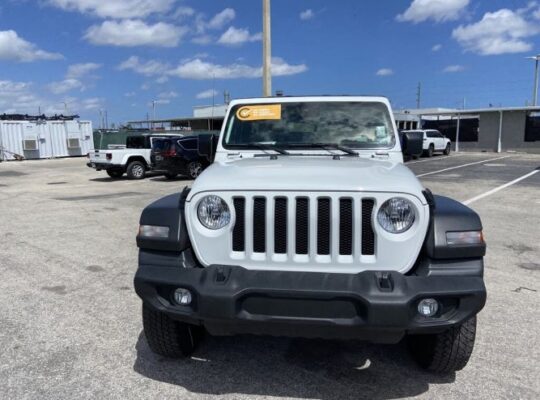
(45, 138)
(486, 129)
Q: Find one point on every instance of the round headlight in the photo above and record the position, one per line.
(213, 212)
(396, 215)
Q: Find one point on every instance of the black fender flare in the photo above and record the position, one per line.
(167, 211)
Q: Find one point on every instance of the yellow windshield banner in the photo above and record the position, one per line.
(260, 112)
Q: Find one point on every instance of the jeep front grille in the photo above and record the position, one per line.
(304, 226)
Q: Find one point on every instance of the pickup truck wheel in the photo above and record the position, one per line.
(431, 150)
(447, 150)
(168, 337)
(115, 173)
(194, 169)
(136, 170)
(444, 352)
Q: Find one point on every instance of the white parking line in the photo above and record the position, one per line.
(435, 159)
(492, 191)
(461, 166)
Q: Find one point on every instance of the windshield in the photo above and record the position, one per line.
(356, 125)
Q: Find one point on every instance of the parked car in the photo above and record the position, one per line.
(434, 141)
(132, 158)
(295, 231)
(178, 156)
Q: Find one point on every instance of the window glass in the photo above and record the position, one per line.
(135, 142)
(188, 144)
(356, 125)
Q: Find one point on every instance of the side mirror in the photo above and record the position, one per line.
(411, 144)
(207, 145)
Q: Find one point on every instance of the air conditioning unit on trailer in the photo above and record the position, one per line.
(30, 144)
(73, 143)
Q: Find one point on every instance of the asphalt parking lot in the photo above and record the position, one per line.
(70, 323)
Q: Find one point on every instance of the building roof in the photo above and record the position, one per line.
(144, 121)
(475, 111)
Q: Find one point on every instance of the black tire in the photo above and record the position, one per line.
(170, 175)
(115, 173)
(194, 169)
(430, 150)
(136, 170)
(167, 337)
(445, 352)
(447, 150)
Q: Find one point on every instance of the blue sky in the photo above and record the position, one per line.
(120, 55)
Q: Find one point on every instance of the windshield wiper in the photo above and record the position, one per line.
(326, 146)
(264, 147)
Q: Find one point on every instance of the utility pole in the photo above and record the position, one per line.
(153, 113)
(267, 50)
(535, 90)
(418, 95)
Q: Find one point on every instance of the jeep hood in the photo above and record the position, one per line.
(308, 173)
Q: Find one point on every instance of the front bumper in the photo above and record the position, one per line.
(366, 306)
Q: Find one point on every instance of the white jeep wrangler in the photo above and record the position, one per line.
(308, 224)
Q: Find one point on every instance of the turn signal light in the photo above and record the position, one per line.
(153, 231)
(464, 238)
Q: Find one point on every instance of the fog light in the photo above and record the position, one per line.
(182, 296)
(428, 307)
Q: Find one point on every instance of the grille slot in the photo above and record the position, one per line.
(280, 225)
(302, 225)
(368, 236)
(345, 227)
(323, 226)
(259, 225)
(239, 230)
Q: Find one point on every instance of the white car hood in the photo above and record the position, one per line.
(308, 173)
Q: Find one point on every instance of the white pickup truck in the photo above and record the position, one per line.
(133, 158)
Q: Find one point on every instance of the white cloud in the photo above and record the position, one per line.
(307, 14)
(238, 36)
(76, 71)
(146, 68)
(73, 78)
(218, 21)
(130, 33)
(436, 10)
(115, 8)
(167, 95)
(65, 85)
(221, 19)
(207, 94)
(15, 48)
(385, 72)
(162, 79)
(93, 103)
(436, 47)
(130, 94)
(183, 12)
(199, 69)
(454, 68)
(22, 97)
(500, 32)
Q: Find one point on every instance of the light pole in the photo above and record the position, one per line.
(267, 50)
(535, 91)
